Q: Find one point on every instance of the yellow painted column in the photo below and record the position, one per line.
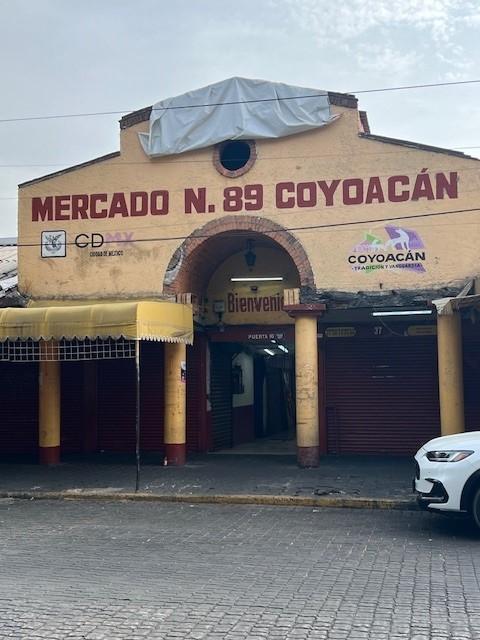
(175, 422)
(450, 374)
(49, 412)
(306, 381)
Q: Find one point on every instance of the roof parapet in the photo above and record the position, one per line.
(416, 145)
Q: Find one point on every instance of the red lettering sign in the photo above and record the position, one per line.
(311, 194)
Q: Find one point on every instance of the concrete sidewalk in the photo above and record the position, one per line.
(362, 481)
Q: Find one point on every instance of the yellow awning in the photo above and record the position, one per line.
(161, 321)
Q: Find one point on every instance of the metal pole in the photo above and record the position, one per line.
(137, 416)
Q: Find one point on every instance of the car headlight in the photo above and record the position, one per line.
(448, 456)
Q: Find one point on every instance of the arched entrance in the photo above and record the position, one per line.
(195, 260)
(238, 268)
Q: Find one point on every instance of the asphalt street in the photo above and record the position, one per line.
(132, 570)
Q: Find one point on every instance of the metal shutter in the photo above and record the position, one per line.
(151, 396)
(471, 377)
(72, 407)
(196, 395)
(381, 393)
(116, 405)
(19, 407)
(117, 401)
(221, 396)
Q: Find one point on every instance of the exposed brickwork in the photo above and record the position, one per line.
(133, 118)
(237, 172)
(207, 247)
(364, 121)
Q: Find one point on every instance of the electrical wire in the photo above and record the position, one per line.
(385, 89)
(427, 225)
(163, 161)
(237, 234)
(234, 102)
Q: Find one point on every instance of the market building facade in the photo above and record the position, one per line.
(327, 274)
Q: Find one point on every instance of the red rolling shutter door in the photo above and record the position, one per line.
(72, 407)
(117, 401)
(471, 376)
(116, 405)
(221, 396)
(196, 393)
(152, 396)
(381, 393)
(19, 408)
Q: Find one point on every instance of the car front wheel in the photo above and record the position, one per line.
(476, 508)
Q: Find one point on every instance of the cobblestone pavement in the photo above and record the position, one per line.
(132, 570)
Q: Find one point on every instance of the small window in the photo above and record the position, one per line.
(234, 157)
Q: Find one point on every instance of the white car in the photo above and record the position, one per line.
(447, 474)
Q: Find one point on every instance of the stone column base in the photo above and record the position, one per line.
(308, 456)
(176, 454)
(49, 455)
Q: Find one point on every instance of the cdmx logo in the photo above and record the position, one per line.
(91, 240)
(97, 240)
(54, 243)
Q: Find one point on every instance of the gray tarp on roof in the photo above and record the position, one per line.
(260, 109)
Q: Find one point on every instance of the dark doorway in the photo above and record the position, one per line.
(251, 394)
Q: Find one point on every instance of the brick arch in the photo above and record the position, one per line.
(196, 259)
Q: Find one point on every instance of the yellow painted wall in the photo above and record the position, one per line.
(334, 152)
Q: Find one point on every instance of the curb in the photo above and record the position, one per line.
(261, 499)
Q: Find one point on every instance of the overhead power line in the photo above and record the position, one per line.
(418, 86)
(236, 234)
(165, 161)
(234, 102)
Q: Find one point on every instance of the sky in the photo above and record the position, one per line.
(69, 57)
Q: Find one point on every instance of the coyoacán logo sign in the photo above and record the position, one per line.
(396, 248)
